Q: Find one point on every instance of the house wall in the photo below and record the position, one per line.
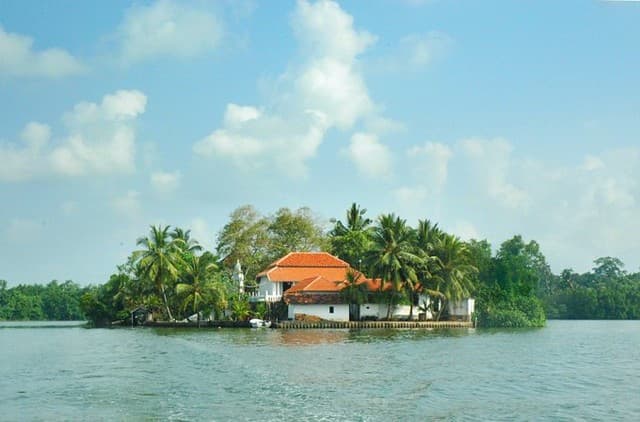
(369, 310)
(462, 308)
(379, 311)
(268, 290)
(340, 312)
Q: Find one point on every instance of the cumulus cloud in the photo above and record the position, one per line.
(465, 230)
(127, 205)
(372, 159)
(417, 51)
(592, 163)
(23, 162)
(165, 182)
(323, 90)
(100, 139)
(430, 163)
(168, 29)
(19, 59)
(577, 212)
(201, 231)
(491, 161)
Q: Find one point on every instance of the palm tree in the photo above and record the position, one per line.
(350, 241)
(391, 258)
(199, 284)
(354, 292)
(184, 240)
(454, 274)
(159, 260)
(427, 236)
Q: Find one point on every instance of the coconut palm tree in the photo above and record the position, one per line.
(200, 284)
(184, 240)
(350, 241)
(454, 274)
(427, 236)
(391, 257)
(159, 260)
(354, 292)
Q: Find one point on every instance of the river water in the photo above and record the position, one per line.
(570, 370)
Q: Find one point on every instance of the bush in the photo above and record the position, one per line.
(520, 312)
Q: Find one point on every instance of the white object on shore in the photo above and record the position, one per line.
(259, 323)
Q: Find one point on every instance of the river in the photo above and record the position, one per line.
(570, 370)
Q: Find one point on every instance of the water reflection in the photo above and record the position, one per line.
(42, 324)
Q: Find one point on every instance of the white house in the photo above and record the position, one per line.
(295, 267)
(310, 284)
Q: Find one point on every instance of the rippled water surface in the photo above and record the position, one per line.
(570, 370)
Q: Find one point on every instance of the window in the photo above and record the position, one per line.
(330, 309)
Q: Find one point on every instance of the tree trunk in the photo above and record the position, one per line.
(166, 303)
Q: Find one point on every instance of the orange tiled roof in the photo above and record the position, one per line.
(316, 284)
(297, 266)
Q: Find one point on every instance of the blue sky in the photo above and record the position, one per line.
(491, 118)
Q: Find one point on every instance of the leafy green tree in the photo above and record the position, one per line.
(294, 231)
(608, 268)
(518, 271)
(245, 238)
(240, 308)
(159, 261)
(351, 241)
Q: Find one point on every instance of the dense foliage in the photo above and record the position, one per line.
(53, 301)
(257, 240)
(606, 292)
(171, 275)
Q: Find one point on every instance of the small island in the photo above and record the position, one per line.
(290, 269)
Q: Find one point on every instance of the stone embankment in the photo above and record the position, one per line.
(297, 325)
(292, 325)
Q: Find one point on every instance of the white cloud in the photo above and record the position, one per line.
(323, 90)
(127, 205)
(491, 161)
(168, 29)
(236, 115)
(430, 163)
(100, 140)
(410, 196)
(165, 182)
(415, 52)
(592, 163)
(465, 230)
(371, 158)
(20, 163)
(201, 232)
(36, 135)
(325, 30)
(20, 60)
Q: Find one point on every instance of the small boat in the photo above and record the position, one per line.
(259, 323)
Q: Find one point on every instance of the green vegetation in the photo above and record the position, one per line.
(53, 301)
(171, 275)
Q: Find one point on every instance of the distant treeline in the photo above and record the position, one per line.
(606, 292)
(54, 301)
